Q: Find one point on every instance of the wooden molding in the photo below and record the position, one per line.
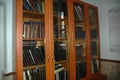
(116, 61)
(11, 73)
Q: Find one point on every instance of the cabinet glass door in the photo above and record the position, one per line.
(94, 46)
(80, 36)
(60, 26)
(33, 40)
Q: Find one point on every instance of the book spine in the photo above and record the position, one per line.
(33, 29)
(27, 5)
(34, 73)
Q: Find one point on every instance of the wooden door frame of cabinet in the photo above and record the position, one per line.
(49, 41)
(19, 24)
(71, 40)
(97, 18)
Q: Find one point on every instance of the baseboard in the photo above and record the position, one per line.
(9, 76)
(108, 60)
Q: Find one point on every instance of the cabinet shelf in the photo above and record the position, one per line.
(60, 39)
(94, 57)
(31, 39)
(34, 66)
(80, 39)
(82, 58)
(35, 15)
(59, 18)
(60, 62)
(78, 20)
(93, 39)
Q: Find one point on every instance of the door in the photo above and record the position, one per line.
(94, 40)
(61, 46)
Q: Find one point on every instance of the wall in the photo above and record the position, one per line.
(9, 54)
(2, 38)
(105, 44)
(104, 6)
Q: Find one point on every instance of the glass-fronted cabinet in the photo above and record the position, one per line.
(60, 33)
(57, 40)
(94, 44)
(80, 39)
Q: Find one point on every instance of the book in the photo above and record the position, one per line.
(62, 30)
(27, 5)
(34, 73)
(24, 76)
(93, 48)
(78, 12)
(60, 8)
(79, 32)
(79, 51)
(80, 70)
(42, 6)
(26, 57)
(93, 33)
(33, 29)
(41, 53)
(60, 51)
(33, 55)
(60, 72)
(94, 66)
(56, 7)
(32, 3)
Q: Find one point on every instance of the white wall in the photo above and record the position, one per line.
(104, 6)
(1, 39)
(9, 58)
(105, 44)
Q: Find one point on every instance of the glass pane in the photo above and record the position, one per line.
(60, 25)
(33, 40)
(80, 33)
(94, 39)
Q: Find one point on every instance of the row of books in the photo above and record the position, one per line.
(56, 34)
(60, 31)
(94, 66)
(79, 51)
(93, 33)
(33, 5)
(33, 29)
(60, 8)
(93, 48)
(78, 12)
(79, 33)
(34, 74)
(60, 72)
(33, 55)
(80, 70)
(60, 51)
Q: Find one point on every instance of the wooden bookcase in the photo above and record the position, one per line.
(57, 40)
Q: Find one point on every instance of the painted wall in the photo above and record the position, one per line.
(9, 54)
(104, 6)
(105, 44)
(1, 39)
